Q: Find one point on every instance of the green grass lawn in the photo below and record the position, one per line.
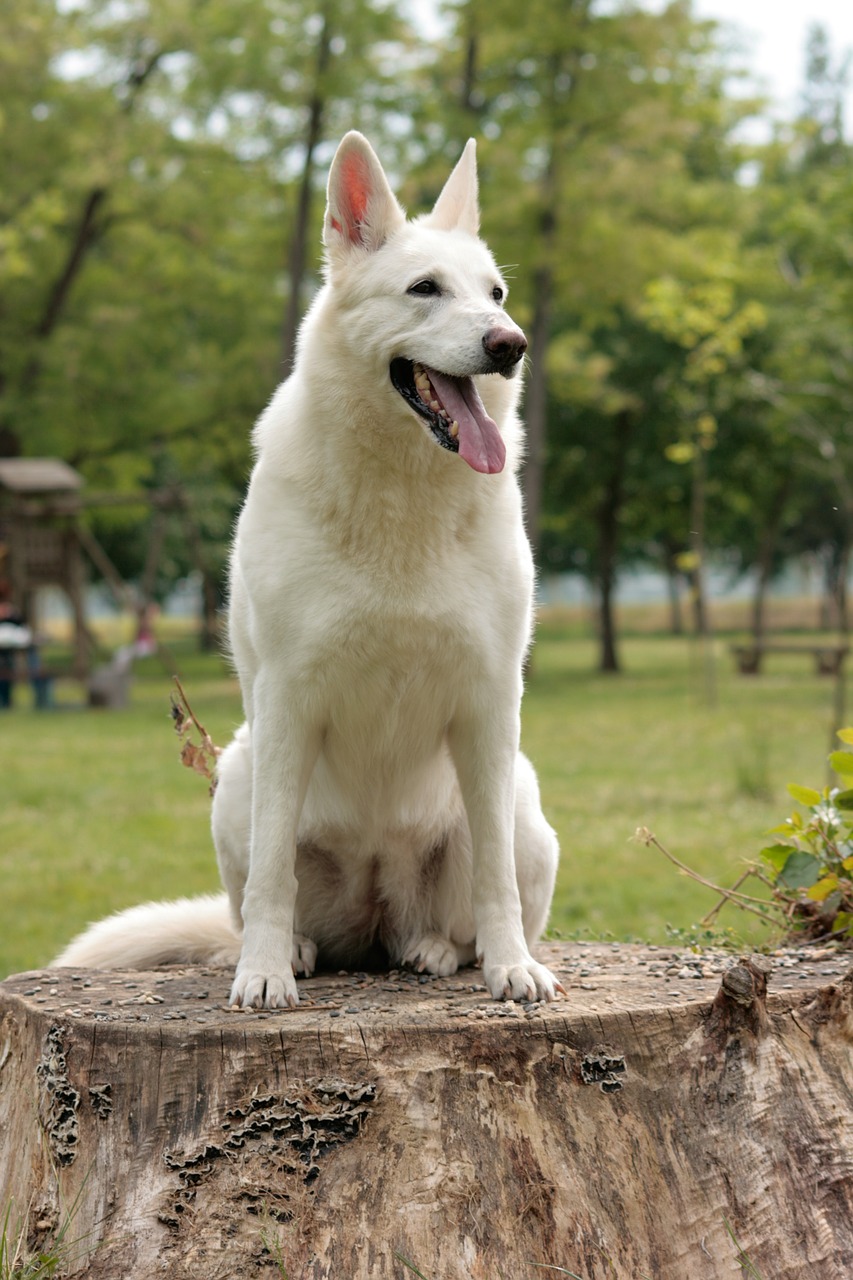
(645, 749)
(97, 812)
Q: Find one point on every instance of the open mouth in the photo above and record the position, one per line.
(452, 409)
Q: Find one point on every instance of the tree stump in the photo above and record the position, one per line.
(667, 1119)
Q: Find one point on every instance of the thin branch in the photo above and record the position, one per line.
(85, 235)
(137, 76)
(714, 912)
(741, 899)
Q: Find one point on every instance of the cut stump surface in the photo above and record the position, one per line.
(667, 1118)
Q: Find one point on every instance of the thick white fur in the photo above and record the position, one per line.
(380, 612)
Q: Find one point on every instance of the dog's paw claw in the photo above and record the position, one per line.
(525, 981)
(433, 954)
(255, 990)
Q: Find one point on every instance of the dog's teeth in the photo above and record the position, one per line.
(434, 405)
(454, 430)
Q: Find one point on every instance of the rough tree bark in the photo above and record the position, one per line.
(663, 1110)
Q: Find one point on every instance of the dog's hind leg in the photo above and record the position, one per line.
(436, 933)
(231, 818)
(441, 950)
(231, 822)
(434, 954)
(536, 852)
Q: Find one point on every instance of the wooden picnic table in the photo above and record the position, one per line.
(828, 658)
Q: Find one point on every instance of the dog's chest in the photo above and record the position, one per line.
(389, 691)
(389, 673)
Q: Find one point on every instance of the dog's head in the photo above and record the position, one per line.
(423, 301)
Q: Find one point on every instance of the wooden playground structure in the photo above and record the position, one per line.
(46, 542)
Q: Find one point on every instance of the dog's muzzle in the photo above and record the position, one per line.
(451, 406)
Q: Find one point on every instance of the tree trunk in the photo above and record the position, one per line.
(697, 544)
(633, 1128)
(608, 514)
(297, 256)
(841, 589)
(468, 91)
(759, 599)
(673, 588)
(536, 396)
(608, 661)
(768, 543)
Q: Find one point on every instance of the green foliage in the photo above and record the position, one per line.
(151, 156)
(808, 869)
(20, 1262)
(155, 158)
(700, 938)
(810, 866)
(100, 814)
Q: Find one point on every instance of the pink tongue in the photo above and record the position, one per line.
(480, 442)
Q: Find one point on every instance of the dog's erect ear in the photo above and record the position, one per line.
(458, 206)
(361, 211)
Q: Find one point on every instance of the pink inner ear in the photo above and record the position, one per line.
(356, 182)
(355, 189)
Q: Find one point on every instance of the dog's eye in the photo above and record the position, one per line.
(424, 288)
(498, 293)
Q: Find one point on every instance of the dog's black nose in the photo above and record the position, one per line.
(505, 346)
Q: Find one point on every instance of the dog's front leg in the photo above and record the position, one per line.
(284, 750)
(484, 749)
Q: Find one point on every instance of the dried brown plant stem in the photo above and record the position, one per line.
(728, 895)
(201, 759)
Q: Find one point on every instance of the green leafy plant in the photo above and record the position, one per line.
(58, 1250)
(810, 866)
(16, 1260)
(808, 869)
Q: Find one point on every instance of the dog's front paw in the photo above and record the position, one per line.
(525, 981)
(255, 989)
(433, 954)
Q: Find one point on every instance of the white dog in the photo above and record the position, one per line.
(380, 611)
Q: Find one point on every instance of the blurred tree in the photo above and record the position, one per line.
(608, 139)
(800, 230)
(710, 326)
(822, 113)
(155, 159)
(161, 169)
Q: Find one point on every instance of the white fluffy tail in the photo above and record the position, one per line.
(186, 931)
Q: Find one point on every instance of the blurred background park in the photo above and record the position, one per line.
(680, 251)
